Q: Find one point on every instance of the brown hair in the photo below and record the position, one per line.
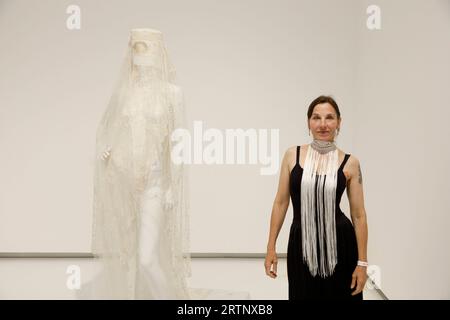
(323, 99)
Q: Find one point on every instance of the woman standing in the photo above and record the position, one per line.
(327, 253)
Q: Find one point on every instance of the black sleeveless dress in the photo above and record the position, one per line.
(302, 285)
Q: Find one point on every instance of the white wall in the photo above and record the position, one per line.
(403, 107)
(241, 65)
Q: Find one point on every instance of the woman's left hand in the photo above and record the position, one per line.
(359, 278)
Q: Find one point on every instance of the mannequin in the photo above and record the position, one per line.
(140, 229)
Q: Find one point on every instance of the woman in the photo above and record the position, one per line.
(327, 254)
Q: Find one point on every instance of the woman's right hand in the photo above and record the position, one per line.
(271, 263)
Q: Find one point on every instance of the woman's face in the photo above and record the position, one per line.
(324, 122)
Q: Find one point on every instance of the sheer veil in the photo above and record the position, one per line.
(144, 110)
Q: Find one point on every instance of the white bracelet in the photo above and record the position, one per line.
(363, 263)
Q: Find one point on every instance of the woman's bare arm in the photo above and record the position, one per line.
(355, 196)
(281, 202)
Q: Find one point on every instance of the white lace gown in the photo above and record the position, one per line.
(154, 280)
(140, 224)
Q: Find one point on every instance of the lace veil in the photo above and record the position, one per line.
(145, 108)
